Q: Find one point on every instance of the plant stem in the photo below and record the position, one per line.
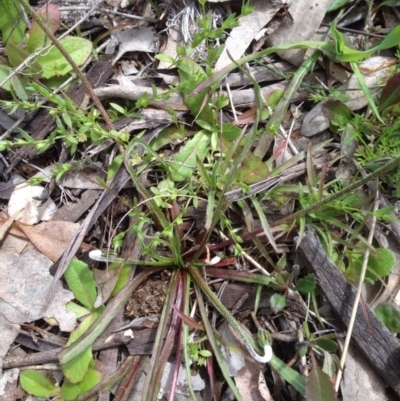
(230, 319)
(74, 66)
(395, 163)
(281, 108)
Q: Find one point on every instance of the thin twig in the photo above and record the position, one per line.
(358, 295)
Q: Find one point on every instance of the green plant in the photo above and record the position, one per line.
(32, 48)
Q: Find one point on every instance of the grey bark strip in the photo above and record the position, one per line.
(375, 341)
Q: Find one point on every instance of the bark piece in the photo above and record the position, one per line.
(376, 342)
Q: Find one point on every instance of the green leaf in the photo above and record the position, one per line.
(319, 386)
(366, 91)
(191, 75)
(290, 375)
(69, 391)
(16, 56)
(166, 58)
(79, 310)
(337, 113)
(389, 315)
(122, 280)
(114, 166)
(390, 93)
(306, 285)
(277, 303)
(84, 325)
(35, 383)
(4, 73)
(20, 85)
(252, 170)
(380, 264)
(336, 4)
(92, 378)
(51, 15)
(76, 369)
(184, 161)
(326, 344)
(12, 25)
(81, 282)
(54, 63)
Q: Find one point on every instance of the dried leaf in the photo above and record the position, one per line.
(51, 238)
(32, 210)
(23, 279)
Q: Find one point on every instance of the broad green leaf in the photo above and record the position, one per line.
(326, 344)
(4, 73)
(81, 282)
(290, 375)
(252, 170)
(12, 24)
(319, 386)
(380, 264)
(92, 378)
(51, 15)
(20, 84)
(306, 285)
(184, 161)
(166, 58)
(76, 369)
(16, 56)
(191, 75)
(168, 135)
(35, 383)
(390, 93)
(230, 132)
(69, 391)
(389, 315)
(54, 63)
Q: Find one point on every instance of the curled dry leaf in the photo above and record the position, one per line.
(24, 200)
